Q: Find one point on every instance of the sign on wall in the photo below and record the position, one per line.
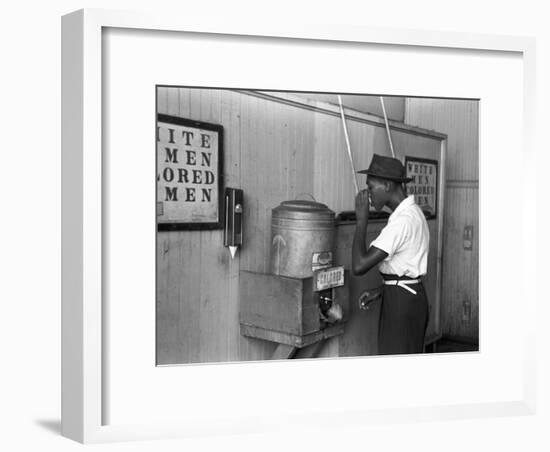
(424, 183)
(189, 174)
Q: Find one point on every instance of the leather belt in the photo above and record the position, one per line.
(404, 283)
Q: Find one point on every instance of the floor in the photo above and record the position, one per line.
(445, 345)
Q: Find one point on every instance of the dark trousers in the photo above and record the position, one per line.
(403, 320)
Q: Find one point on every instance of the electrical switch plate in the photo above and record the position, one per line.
(468, 237)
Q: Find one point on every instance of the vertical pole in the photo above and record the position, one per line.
(387, 126)
(342, 116)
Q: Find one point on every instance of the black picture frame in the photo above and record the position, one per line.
(179, 225)
(435, 163)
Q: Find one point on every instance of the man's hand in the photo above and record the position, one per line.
(362, 260)
(362, 205)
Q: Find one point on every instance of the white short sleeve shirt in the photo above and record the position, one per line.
(406, 239)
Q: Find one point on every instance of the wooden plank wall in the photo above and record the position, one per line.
(459, 119)
(269, 154)
(333, 182)
(274, 151)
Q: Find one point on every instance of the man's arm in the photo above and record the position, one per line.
(362, 260)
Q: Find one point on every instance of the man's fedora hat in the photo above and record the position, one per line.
(386, 168)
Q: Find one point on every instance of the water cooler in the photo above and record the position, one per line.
(304, 299)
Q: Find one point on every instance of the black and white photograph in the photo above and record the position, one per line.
(296, 225)
(275, 226)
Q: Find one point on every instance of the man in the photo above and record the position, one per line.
(401, 250)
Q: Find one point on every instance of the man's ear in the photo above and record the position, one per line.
(388, 184)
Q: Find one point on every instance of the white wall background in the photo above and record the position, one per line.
(30, 227)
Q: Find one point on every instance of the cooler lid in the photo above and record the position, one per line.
(303, 207)
(301, 204)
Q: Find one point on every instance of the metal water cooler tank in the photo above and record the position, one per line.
(302, 238)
